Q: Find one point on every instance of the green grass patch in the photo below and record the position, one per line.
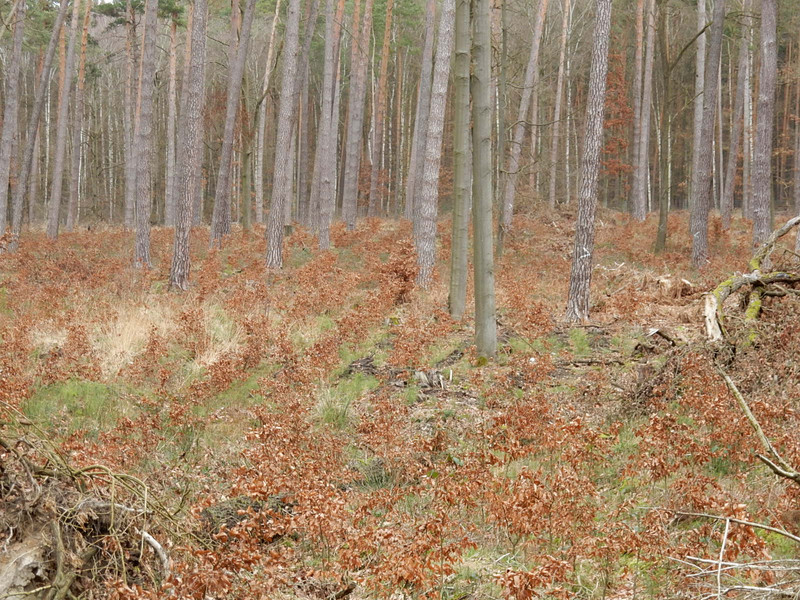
(579, 340)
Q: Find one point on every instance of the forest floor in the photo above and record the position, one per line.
(329, 432)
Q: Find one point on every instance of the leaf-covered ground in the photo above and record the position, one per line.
(329, 432)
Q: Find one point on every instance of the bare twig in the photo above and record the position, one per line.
(782, 532)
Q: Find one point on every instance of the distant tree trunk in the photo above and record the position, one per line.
(380, 115)
(762, 158)
(144, 135)
(641, 179)
(638, 61)
(262, 117)
(283, 142)
(701, 177)
(428, 197)
(736, 133)
(565, 10)
(699, 78)
(221, 219)
(10, 113)
(172, 113)
(78, 120)
(581, 273)
(483, 247)
(513, 166)
(665, 127)
(33, 124)
(189, 148)
(423, 108)
(128, 115)
(461, 175)
(56, 187)
(355, 125)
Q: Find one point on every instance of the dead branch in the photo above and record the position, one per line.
(776, 463)
(782, 532)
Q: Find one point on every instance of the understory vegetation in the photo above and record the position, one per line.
(327, 431)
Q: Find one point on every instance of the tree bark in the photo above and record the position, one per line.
(513, 166)
(189, 148)
(565, 10)
(172, 110)
(642, 176)
(56, 187)
(701, 177)
(423, 108)
(10, 113)
(581, 273)
(762, 158)
(638, 61)
(276, 212)
(129, 115)
(461, 183)
(483, 259)
(427, 202)
(699, 77)
(380, 115)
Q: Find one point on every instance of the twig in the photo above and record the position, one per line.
(782, 532)
(159, 550)
(721, 557)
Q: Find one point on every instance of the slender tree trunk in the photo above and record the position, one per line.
(355, 125)
(483, 259)
(276, 212)
(699, 75)
(581, 273)
(701, 177)
(461, 183)
(638, 60)
(426, 202)
(10, 113)
(221, 219)
(423, 108)
(666, 132)
(513, 166)
(78, 122)
(762, 158)
(56, 187)
(129, 116)
(736, 133)
(642, 178)
(189, 149)
(565, 9)
(380, 115)
(172, 110)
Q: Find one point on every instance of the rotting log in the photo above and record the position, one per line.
(756, 279)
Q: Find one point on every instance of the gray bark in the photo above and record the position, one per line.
(10, 113)
(699, 75)
(638, 61)
(77, 125)
(565, 10)
(641, 180)
(581, 273)
(172, 110)
(128, 116)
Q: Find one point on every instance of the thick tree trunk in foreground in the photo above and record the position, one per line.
(513, 166)
(221, 218)
(189, 147)
(762, 157)
(701, 177)
(483, 247)
(423, 108)
(428, 197)
(274, 230)
(581, 274)
(461, 184)
(172, 113)
(57, 185)
(10, 112)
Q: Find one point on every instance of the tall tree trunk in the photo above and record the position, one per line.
(221, 219)
(513, 166)
(78, 122)
(641, 180)
(172, 110)
(423, 108)
(565, 10)
(56, 187)
(129, 114)
(355, 125)
(427, 200)
(699, 78)
(274, 230)
(10, 113)
(380, 115)
(638, 60)
(189, 149)
(701, 177)
(483, 259)
(262, 117)
(736, 132)
(762, 158)
(461, 184)
(665, 126)
(144, 134)
(581, 274)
